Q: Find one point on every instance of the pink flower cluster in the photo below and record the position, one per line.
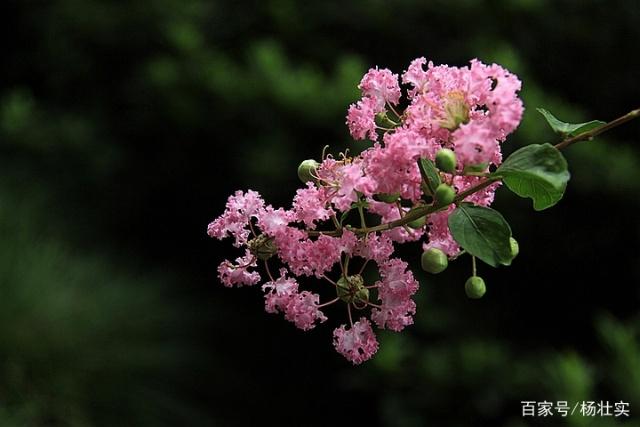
(325, 234)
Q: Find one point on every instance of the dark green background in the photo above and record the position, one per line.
(125, 125)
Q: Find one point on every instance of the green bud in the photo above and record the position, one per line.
(445, 194)
(434, 261)
(262, 247)
(515, 247)
(384, 121)
(307, 170)
(475, 287)
(446, 160)
(386, 197)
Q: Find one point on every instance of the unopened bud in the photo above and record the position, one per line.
(446, 160)
(445, 194)
(434, 261)
(307, 170)
(475, 287)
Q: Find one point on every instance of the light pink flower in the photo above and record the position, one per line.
(361, 119)
(395, 291)
(240, 208)
(376, 247)
(382, 86)
(238, 274)
(416, 77)
(358, 343)
(280, 292)
(474, 144)
(310, 205)
(302, 310)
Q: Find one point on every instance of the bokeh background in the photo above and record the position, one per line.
(125, 125)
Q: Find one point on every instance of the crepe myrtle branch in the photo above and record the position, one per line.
(442, 155)
(426, 210)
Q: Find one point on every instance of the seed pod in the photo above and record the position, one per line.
(446, 160)
(445, 194)
(434, 261)
(262, 247)
(475, 287)
(307, 170)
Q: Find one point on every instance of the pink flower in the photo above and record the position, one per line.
(393, 168)
(240, 208)
(356, 344)
(310, 205)
(416, 77)
(238, 274)
(280, 292)
(361, 119)
(375, 247)
(302, 310)
(382, 86)
(395, 291)
(274, 221)
(351, 178)
(474, 144)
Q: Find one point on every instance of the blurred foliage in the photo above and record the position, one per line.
(124, 126)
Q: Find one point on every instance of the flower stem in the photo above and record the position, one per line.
(589, 135)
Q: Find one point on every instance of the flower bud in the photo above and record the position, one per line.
(307, 170)
(386, 197)
(446, 160)
(475, 287)
(434, 261)
(445, 194)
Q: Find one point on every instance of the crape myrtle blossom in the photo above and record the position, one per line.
(354, 208)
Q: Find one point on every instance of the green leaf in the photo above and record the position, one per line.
(483, 232)
(538, 171)
(568, 129)
(430, 174)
